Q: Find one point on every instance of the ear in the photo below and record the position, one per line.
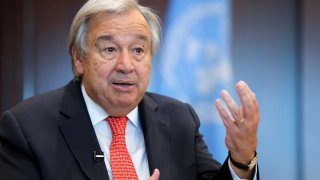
(77, 62)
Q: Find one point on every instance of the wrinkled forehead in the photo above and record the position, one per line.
(125, 18)
(110, 25)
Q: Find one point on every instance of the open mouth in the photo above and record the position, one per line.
(123, 86)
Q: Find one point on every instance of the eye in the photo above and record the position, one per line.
(138, 50)
(110, 50)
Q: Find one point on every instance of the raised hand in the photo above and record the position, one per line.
(241, 124)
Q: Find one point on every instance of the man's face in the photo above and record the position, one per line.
(115, 72)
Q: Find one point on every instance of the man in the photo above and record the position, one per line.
(70, 133)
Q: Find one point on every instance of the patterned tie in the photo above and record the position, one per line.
(121, 164)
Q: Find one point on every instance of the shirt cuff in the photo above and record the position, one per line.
(234, 175)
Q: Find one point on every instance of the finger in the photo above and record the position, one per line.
(155, 175)
(226, 119)
(232, 105)
(251, 94)
(247, 99)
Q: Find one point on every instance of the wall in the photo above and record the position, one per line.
(276, 49)
(310, 68)
(10, 52)
(265, 55)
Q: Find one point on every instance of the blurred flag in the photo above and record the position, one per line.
(193, 64)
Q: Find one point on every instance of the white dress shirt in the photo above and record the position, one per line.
(134, 138)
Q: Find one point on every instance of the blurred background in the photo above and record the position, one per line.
(207, 46)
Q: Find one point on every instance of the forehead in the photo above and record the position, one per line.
(118, 24)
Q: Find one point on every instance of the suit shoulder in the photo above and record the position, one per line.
(39, 102)
(168, 103)
(171, 105)
(162, 99)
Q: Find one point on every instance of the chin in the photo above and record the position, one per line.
(126, 102)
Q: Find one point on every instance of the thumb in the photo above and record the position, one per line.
(155, 175)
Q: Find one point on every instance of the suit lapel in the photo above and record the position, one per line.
(157, 137)
(79, 134)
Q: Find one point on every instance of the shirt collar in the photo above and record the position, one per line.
(98, 114)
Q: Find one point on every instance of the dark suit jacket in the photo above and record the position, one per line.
(50, 136)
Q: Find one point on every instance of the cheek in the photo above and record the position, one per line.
(144, 71)
(99, 68)
(94, 67)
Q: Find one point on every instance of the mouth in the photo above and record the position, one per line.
(123, 86)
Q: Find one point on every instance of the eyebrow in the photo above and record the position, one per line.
(105, 38)
(111, 37)
(141, 37)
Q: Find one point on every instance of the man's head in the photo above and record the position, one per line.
(111, 43)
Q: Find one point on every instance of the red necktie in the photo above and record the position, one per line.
(121, 164)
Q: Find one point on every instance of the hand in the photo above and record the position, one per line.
(155, 175)
(242, 124)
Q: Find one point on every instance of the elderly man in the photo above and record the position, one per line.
(104, 125)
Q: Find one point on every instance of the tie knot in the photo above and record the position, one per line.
(117, 125)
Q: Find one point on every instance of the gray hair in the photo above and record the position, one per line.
(79, 27)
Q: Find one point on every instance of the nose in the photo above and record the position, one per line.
(124, 63)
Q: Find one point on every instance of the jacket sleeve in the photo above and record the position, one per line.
(16, 158)
(207, 167)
